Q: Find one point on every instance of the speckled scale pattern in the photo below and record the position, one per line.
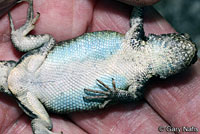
(174, 52)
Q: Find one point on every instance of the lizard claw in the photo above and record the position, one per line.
(106, 95)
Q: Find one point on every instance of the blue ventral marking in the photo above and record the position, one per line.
(93, 46)
(73, 100)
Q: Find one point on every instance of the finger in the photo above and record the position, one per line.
(64, 19)
(9, 112)
(23, 126)
(114, 17)
(178, 99)
(120, 119)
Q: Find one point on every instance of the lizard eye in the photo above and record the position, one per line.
(185, 35)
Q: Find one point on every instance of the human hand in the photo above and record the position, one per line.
(6, 5)
(174, 100)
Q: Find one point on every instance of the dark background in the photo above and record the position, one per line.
(183, 15)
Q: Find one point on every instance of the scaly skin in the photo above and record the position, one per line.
(90, 71)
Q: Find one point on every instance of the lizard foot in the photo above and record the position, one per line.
(26, 28)
(108, 95)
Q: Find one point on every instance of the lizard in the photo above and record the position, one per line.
(90, 71)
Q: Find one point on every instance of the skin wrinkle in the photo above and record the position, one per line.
(118, 26)
(183, 109)
(70, 26)
(188, 105)
(139, 127)
(160, 26)
(147, 117)
(176, 119)
(193, 103)
(118, 16)
(72, 20)
(164, 112)
(173, 97)
(110, 20)
(114, 127)
(12, 124)
(115, 26)
(100, 23)
(92, 14)
(4, 38)
(78, 7)
(82, 6)
(159, 99)
(85, 9)
(4, 32)
(173, 101)
(3, 119)
(93, 126)
(88, 21)
(66, 126)
(17, 128)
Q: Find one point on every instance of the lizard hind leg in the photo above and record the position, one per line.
(19, 85)
(28, 101)
(19, 37)
(41, 123)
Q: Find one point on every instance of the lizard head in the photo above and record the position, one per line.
(172, 53)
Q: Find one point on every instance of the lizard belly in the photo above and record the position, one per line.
(72, 66)
(66, 92)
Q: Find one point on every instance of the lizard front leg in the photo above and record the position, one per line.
(134, 36)
(5, 68)
(112, 94)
